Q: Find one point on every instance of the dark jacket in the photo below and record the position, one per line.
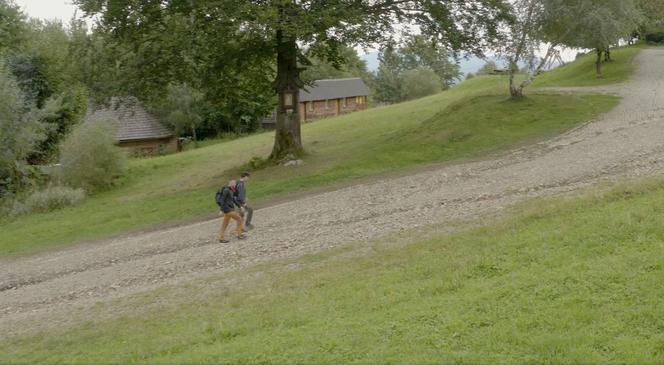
(241, 194)
(228, 201)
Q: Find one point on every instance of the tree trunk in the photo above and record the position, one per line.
(598, 63)
(193, 135)
(515, 91)
(607, 55)
(287, 139)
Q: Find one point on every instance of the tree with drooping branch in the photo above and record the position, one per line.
(281, 30)
(592, 24)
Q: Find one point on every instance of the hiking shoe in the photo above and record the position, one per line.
(224, 241)
(241, 237)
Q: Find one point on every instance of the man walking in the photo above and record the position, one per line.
(242, 199)
(227, 204)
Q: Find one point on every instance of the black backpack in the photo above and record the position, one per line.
(218, 197)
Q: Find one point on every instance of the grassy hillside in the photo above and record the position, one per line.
(582, 71)
(574, 281)
(469, 120)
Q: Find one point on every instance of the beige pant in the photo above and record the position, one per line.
(226, 220)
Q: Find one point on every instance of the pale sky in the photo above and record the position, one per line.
(48, 9)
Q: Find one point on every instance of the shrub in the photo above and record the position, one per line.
(89, 158)
(20, 134)
(420, 82)
(52, 198)
(655, 37)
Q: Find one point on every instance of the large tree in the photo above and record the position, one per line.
(349, 65)
(12, 26)
(653, 15)
(419, 52)
(278, 32)
(592, 24)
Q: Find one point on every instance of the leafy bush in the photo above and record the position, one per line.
(89, 158)
(59, 115)
(420, 82)
(655, 37)
(20, 134)
(52, 198)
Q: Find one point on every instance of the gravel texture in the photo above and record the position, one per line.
(625, 142)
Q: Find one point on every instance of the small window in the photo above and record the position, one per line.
(311, 106)
(344, 102)
(327, 104)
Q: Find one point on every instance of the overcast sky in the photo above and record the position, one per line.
(48, 9)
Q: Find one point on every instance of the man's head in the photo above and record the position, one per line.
(232, 184)
(245, 176)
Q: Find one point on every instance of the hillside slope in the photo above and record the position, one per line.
(43, 290)
(453, 125)
(572, 281)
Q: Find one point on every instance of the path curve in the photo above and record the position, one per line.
(627, 141)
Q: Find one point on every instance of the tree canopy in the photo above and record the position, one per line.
(243, 42)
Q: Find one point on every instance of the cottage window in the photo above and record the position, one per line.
(344, 102)
(327, 104)
(311, 106)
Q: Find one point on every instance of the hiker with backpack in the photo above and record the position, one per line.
(241, 198)
(227, 202)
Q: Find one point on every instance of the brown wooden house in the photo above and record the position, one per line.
(137, 129)
(328, 98)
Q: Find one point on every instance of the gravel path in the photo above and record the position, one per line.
(628, 141)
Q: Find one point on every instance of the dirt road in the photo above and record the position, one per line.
(627, 141)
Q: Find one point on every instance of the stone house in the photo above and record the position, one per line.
(137, 130)
(328, 98)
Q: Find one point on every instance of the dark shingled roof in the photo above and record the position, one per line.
(334, 89)
(134, 122)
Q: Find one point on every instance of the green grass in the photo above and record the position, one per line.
(582, 71)
(564, 281)
(471, 119)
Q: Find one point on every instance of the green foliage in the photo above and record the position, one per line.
(655, 37)
(216, 39)
(400, 67)
(182, 109)
(89, 158)
(653, 15)
(58, 116)
(388, 82)
(488, 68)
(603, 24)
(557, 281)
(41, 65)
(12, 26)
(421, 52)
(20, 135)
(350, 65)
(420, 82)
(48, 200)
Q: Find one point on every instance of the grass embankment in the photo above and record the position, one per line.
(573, 281)
(582, 71)
(470, 119)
